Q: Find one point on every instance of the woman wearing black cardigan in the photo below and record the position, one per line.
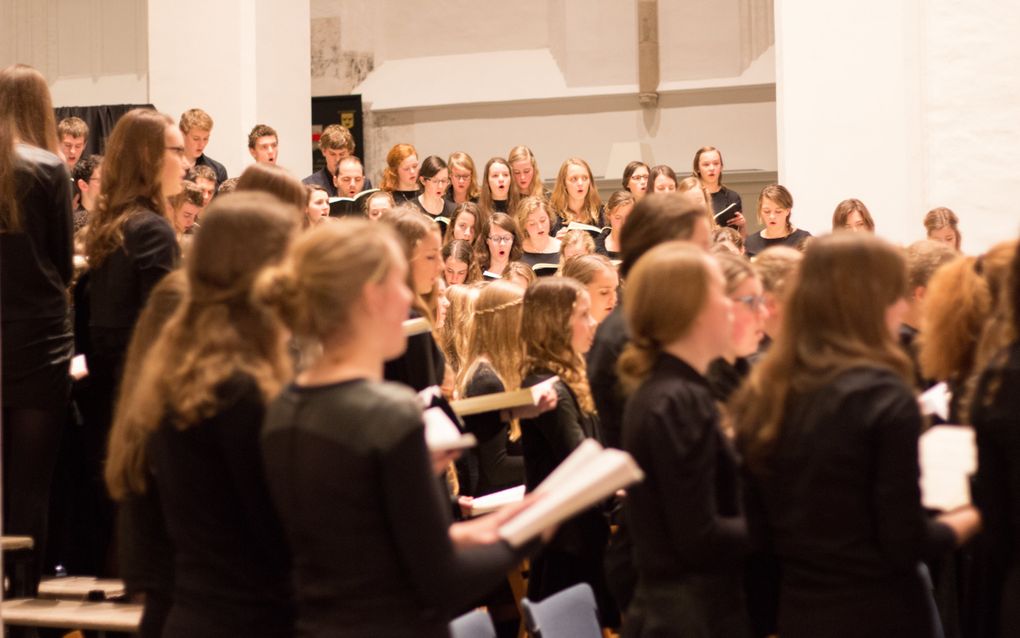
(828, 425)
(374, 551)
(685, 517)
(35, 271)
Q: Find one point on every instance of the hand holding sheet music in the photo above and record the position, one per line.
(589, 475)
(948, 457)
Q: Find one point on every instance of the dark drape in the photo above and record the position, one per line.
(100, 119)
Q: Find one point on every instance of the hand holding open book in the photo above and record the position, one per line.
(589, 475)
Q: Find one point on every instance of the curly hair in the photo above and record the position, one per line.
(545, 330)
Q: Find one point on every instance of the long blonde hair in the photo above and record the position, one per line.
(559, 201)
(546, 333)
(658, 315)
(456, 329)
(495, 334)
(834, 321)
(517, 154)
(215, 333)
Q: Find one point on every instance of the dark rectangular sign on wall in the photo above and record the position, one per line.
(337, 109)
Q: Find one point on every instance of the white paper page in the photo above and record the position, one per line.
(441, 434)
(948, 457)
(496, 500)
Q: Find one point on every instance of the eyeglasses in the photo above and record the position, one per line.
(753, 302)
(437, 182)
(504, 239)
(462, 178)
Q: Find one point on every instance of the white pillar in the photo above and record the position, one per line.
(245, 62)
(849, 112)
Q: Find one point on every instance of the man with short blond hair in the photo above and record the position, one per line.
(196, 125)
(73, 134)
(335, 143)
(263, 144)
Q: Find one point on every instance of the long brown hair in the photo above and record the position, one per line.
(834, 321)
(485, 201)
(658, 315)
(546, 333)
(26, 116)
(215, 333)
(482, 257)
(132, 180)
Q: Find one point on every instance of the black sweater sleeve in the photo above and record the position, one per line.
(443, 576)
(903, 530)
(151, 243)
(498, 469)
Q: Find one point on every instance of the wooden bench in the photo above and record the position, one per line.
(81, 588)
(67, 614)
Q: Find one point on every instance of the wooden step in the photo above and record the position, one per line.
(81, 588)
(68, 614)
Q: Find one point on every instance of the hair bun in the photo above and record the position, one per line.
(277, 289)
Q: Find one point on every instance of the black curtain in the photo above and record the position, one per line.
(100, 119)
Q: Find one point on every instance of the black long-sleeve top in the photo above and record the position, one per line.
(839, 504)
(547, 440)
(231, 564)
(421, 365)
(685, 516)
(610, 338)
(35, 263)
(121, 284)
(497, 468)
(996, 417)
(366, 520)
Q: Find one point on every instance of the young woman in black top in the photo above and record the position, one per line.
(828, 425)
(465, 224)
(434, 178)
(996, 418)
(400, 177)
(685, 517)
(744, 289)
(374, 551)
(775, 206)
(575, 198)
(189, 429)
(708, 167)
(557, 331)
(635, 179)
(618, 207)
(463, 178)
(527, 180)
(538, 245)
(130, 245)
(599, 277)
(421, 363)
(498, 245)
(492, 364)
(495, 197)
(35, 272)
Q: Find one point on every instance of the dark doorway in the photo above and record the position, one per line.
(337, 109)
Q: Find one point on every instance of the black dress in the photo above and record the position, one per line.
(996, 417)
(575, 553)
(755, 243)
(36, 347)
(838, 503)
(724, 199)
(422, 364)
(448, 210)
(231, 561)
(366, 520)
(35, 271)
(493, 460)
(405, 197)
(689, 534)
(610, 338)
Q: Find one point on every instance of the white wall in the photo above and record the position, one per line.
(911, 111)
(971, 117)
(238, 65)
(92, 52)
